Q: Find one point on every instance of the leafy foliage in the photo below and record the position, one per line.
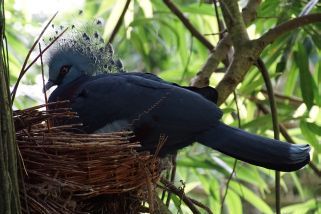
(152, 39)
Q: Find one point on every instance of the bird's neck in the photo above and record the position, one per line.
(67, 91)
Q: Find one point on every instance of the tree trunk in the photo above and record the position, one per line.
(9, 188)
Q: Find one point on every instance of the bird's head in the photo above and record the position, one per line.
(66, 66)
(77, 53)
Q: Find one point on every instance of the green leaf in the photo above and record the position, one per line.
(310, 136)
(228, 110)
(233, 202)
(251, 175)
(319, 73)
(310, 205)
(261, 122)
(147, 7)
(177, 202)
(196, 8)
(314, 128)
(212, 187)
(291, 82)
(113, 18)
(250, 197)
(297, 184)
(306, 80)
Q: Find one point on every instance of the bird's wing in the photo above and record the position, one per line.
(139, 100)
(207, 92)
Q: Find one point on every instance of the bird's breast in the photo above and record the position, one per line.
(115, 126)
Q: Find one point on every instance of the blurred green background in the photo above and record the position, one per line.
(152, 39)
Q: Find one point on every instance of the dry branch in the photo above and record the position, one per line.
(119, 22)
(222, 48)
(188, 24)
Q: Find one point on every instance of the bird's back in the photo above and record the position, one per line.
(149, 107)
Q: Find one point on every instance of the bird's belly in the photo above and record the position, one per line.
(115, 126)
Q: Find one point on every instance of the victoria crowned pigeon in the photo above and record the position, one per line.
(108, 99)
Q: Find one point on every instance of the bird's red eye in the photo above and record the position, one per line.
(64, 69)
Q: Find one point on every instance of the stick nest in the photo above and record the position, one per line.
(68, 172)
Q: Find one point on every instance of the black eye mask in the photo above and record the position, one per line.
(62, 73)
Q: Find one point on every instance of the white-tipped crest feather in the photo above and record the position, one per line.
(82, 45)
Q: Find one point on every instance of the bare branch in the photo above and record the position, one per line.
(261, 66)
(116, 29)
(234, 22)
(24, 69)
(180, 194)
(252, 50)
(222, 48)
(286, 27)
(188, 24)
(249, 12)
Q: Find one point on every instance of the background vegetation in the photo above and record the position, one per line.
(152, 38)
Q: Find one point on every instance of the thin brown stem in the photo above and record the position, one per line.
(286, 27)
(43, 76)
(228, 184)
(261, 66)
(23, 72)
(43, 84)
(235, 161)
(188, 24)
(119, 22)
(23, 69)
(293, 100)
(180, 194)
(172, 177)
(219, 21)
(222, 48)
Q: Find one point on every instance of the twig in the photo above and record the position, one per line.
(43, 76)
(197, 203)
(227, 184)
(223, 31)
(252, 50)
(219, 22)
(172, 178)
(150, 191)
(161, 206)
(261, 66)
(180, 194)
(23, 70)
(117, 27)
(221, 50)
(285, 27)
(22, 73)
(188, 24)
(235, 161)
(43, 84)
(220, 33)
(164, 190)
(294, 100)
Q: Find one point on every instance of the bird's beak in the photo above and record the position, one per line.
(48, 85)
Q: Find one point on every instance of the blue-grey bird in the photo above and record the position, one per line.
(108, 99)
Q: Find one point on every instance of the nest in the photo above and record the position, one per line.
(68, 172)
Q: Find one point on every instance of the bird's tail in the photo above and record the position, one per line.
(257, 150)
